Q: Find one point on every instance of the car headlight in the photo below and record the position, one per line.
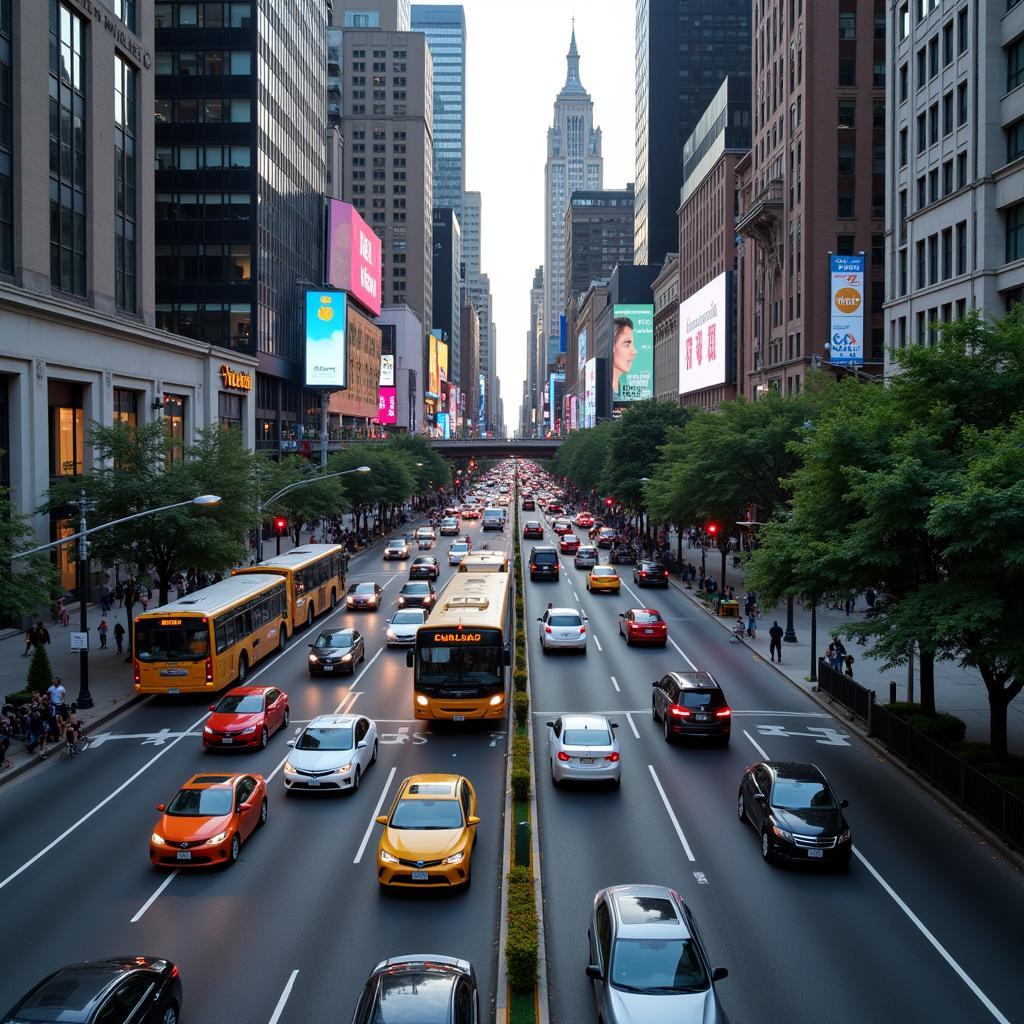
(289, 768)
(844, 837)
(782, 833)
(250, 730)
(455, 858)
(388, 858)
(497, 699)
(157, 840)
(349, 601)
(207, 729)
(343, 770)
(313, 657)
(346, 657)
(218, 838)
(392, 635)
(401, 601)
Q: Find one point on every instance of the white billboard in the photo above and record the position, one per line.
(387, 371)
(704, 322)
(590, 393)
(846, 324)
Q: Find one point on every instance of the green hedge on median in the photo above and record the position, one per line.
(521, 946)
(521, 706)
(520, 766)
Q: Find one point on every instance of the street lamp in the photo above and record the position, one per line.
(200, 501)
(261, 505)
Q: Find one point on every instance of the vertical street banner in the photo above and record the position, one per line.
(632, 353)
(846, 325)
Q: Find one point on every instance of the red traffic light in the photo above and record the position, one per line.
(280, 525)
(711, 529)
(609, 502)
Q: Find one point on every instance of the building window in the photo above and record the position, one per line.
(922, 192)
(903, 147)
(947, 177)
(67, 149)
(947, 113)
(229, 411)
(1015, 65)
(933, 259)
(961, 170)
(847, 113)
(845, 206)
(847, 71)
(174, 429)
(848, 25)
(67, 428)
(126, 407)
(903, 20)
(125, 185)
(846, 161)
(922, 279)
(961, 104)
(947, 43)
(933, 185)
(922, 132)
(1015, 233)
(125, 10)
(961, 31)
(1015, 140)
(933, 124)
(6, 143)
(904, 82)
(947, 254)
(933, 56)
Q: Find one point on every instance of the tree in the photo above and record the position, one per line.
(303, 505)
(28, 583)
(40, 674)
(434, 471)
(389, 483)
(580, 458)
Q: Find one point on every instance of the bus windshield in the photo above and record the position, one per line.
(187, 642)
(460, 671)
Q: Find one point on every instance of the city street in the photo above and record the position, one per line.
(289, 933)
(925, 898)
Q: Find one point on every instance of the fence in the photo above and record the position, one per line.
(976, 793)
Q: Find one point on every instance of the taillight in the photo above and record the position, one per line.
(583, 630)
(209, 670)
(643, 572)
(174, 971)
(532, 567)
(724, 713)
(547, 629)
(679, 712)
(665, 574)
(137, 670)
(613, 756)
(563, 756)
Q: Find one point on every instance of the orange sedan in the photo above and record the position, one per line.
(208, 820)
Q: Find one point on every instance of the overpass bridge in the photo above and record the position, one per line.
(497, 447)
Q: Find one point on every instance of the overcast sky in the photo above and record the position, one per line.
(515, 57)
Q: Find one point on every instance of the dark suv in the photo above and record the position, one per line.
(647, 573)
(544, 564)
(691, 704)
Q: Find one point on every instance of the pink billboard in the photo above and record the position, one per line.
(353, 255)
(387, 405)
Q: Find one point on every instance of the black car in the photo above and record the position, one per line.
(135, 989)
(796, 814)
(691, 704)
(416, 595)
(424, 568)
(364, 595)
(544, 564)
(425, 989)
(647, 573)
(336, 651)
(533, 528)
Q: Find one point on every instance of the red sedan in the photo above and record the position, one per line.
(643, 626)
(569, 544)
(246, 717)
(561, 526)
(584, 520)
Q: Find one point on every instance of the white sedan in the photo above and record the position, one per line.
(584, 748)
(403, 625)
(563, 629)
(457, 552)
(332, 752)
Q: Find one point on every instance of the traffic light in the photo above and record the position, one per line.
(608, 502)
(712, 530)
(280, 525)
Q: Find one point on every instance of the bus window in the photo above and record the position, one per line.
(171, 643)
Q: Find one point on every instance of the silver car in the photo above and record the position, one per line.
(397, 547)
(584, 748)
(332, 752)
(647, 959)
(457, 552)
(563, 629)
(403, 626)
(449, 526)
(586, 557)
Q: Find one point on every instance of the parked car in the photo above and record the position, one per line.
(691, 704)
(563, 629)
(584, 748)
(648, 573)
(331, 752)
(336, 651)
(430, 988)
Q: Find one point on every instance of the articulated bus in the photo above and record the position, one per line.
(462, 653)
(314, 575)
(207, 640)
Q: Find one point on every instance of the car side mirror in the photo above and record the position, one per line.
(245, 807)
(291, 743)
(472, 820)
(540, 618)
(408, 658)
(760, 798)
(212, 707)
(656, 683)
(550, 725)
(382, 819)
(161, 807)
(719, 973)
(508, 655)
(844, 803)
(622, 615)
(360, 744)
(615, 725)
(595, 972)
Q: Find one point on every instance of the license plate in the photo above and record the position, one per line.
(173, 689)
(458, 718)
(586, 760)
(700, 718)
(420, 876)
(227, 739)
(328, 668)
(649, 632)
(816, 853)
(174, 671)
(184, 855)
(314, 782)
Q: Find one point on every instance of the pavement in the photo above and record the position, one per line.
(958, 690)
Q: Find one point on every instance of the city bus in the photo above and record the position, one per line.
(485, 561)
(209, 639)
(461, 656)
(314, 575)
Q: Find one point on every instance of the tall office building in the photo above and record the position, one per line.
(574, 162)
(954, 175)
(445, 29)
(478, 289)
(447, 302)
(469, 341)
(684, 48)
(390, 15)
(240, 179)
(537, 343)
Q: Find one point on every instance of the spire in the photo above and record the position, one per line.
(573, 86)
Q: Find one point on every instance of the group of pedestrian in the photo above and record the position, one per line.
(836, 657)
(44, 720)
(35, 636)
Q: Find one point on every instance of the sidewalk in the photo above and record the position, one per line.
(959, 691)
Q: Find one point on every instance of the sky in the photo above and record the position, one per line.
(515, 66)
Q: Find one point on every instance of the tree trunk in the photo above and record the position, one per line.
(722, 587)
(926, 674)
(997, 707)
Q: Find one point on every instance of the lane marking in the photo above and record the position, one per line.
(632, 724)
(938, 947)
(671, 814)
(279, 1009)
(616, 685)
(824, 735)
(373, 817)
(785, 714)
(598, 642)
(103, 803)
(355, 682)
(152, 899)
(757, 746)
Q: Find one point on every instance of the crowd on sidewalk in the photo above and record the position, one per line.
(46, 720)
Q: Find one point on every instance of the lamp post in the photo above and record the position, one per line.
(790, 636)
(262, 505)
(84, 531)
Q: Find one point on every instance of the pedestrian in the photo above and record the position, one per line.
(30, 640)
(839, 654)
(849, 665)
(56, 692)
(62, 611)
(119, 637)
(102, 630)
(144, 601)
(752, 623)
(42, 634)
(775, 646)
(849, 605)
(870, 596)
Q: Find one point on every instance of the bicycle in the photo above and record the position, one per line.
(738, 633)
(69, 750)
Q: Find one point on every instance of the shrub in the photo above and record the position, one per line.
(520, 785)
(40, 674)
(521, 706)
(944, 728)
(18, 698)
(519, 680)
(521, 945)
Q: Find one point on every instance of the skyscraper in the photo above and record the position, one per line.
(445, 29)
(684, 49)
(478, 289)
(574, 162)
(447, 303)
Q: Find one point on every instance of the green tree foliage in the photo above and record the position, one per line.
(28, 583)
(434, 471)
(581, 456)
(305, 504)
(389, 483)
(40, 674)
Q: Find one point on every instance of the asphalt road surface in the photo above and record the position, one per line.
(289, 933)
(924, 927)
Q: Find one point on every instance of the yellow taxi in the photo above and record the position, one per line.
(429, 834)
(604, 577)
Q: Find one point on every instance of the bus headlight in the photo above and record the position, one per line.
(497, 699)
(421, 700)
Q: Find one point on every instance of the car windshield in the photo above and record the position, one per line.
(424, 561)
(416, 589)
(646, 617)
(657, 966)
(586, 738)
(564, 620)
(240, 704)
(361, 588)
(318, 738)
(200, 803)
(603, 570)
(427, 814)
(802, 795)
(334, 640)
(413, 615)
(459, 549)
(396, 542)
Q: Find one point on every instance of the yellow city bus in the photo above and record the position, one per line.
(314, 575)
(209, 639)
(484, 561)
(463, 651)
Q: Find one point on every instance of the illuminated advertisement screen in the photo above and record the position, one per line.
(387, 405)
(581, 351)
(704, 336)
(353, 255)
(433, 381)
(632, 353)
(444, 425)
(590, 393)
(387, 371)
(326, 353)
(442, 361)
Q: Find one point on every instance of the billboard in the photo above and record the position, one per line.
(442, 361)
(581, 352)
(561, 333)
(326, 349)
(705, 336)
(590, 393)
(632, 353)
(433, 380)
(387, 371)
(481, 415)
(353, 255)
(846, 321)
(556, 389)
(444, 425)
(387, 405)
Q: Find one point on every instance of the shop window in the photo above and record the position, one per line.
(126, 407)
(230, 411)
(174, 429)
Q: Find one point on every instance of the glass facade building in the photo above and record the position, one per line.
(6, 142)
(445, 29)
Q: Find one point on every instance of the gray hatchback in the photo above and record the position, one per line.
(647, 959)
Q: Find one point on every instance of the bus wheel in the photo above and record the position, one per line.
(309, 617)
(334, 598)
(282, 636)
(243, 669)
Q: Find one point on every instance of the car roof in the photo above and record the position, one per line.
(544, 547)
(245, 691)
(585, 722)
(695, 680)
(416, 584)
(71, 992)
(649, 611)
(647, 912)
(796, 770)
(333, 721)
(212, 780)
(605, 570)
(564, 611)
(429, 787)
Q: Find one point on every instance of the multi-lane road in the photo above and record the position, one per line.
(924, 927)
(290, 932)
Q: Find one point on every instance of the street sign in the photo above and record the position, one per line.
(79, 641)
